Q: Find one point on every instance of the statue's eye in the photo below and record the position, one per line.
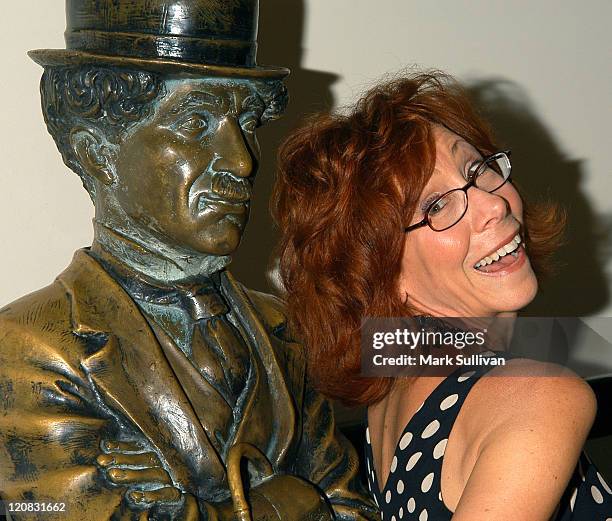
(194, 124)
(250, 124)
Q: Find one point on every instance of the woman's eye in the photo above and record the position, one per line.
(428, 202)
(437, 207)
(472, 168)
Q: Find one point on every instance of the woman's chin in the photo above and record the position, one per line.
(515, 299)
(509, 292)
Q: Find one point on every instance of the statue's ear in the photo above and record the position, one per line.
(94, 156)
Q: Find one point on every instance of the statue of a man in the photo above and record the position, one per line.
(133, 386)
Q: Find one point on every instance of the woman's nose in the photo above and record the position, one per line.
(487, 209)
(234, 155)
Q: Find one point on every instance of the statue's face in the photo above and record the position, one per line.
(186, 175)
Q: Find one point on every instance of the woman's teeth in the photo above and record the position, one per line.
(502, 252)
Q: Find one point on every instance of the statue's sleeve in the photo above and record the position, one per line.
(50, 427)
(327, 459)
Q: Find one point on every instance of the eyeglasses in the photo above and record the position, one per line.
(489, 175)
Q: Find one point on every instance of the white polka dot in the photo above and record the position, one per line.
(411, 505)
(465, 376)
(388, 496)
(401, 512)
(427, 482)
(573, 499)
(596, 495)
(406, 439)
(439, 449)
(431, 429)
(400, 486)
(368, 435)
(440, 495)
(604, 484)
(608, 518)
(449, 401)
(413, 460)
(393, 464)
(393, 518)
(423, 516)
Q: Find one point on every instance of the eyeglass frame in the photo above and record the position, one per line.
(471, 182)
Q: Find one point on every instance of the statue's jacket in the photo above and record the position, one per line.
(79, 364)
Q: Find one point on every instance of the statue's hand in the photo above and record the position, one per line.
(131, 465)
(278, 498)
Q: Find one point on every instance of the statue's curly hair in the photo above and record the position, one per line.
(110, 99)
(341, 213)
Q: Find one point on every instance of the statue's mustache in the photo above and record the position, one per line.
(226, 186)
(221, 186)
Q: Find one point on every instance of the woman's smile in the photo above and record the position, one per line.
(499, 253)
(506, 264)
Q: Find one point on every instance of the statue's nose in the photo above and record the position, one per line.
(233, 151)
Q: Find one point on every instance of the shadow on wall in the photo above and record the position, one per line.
(542, 170)
(280, 43)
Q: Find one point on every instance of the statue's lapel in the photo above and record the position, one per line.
(133, 376)
(214, 413)
(270, 420)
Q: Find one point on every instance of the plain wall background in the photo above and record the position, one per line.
(540, 70)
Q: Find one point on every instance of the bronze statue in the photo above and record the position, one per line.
(145, 382)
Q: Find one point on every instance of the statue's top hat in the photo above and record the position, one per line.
(202, 37)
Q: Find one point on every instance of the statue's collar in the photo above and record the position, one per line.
(151, 260)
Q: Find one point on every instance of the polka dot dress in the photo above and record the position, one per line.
(413, 490)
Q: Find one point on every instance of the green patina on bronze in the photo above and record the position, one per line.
(135, 384)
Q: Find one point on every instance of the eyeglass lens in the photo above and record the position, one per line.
(492, 173)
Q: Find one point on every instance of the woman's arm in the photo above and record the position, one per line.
(529, 453)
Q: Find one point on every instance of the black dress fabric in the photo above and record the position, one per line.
(413, 490)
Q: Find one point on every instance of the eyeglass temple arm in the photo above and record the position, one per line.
(416, 225)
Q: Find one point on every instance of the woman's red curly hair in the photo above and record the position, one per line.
(347, 186)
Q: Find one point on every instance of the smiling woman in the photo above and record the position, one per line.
(453, 286)
(405, 206)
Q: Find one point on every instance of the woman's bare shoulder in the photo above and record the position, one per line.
(530, 392)
(531, 417)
